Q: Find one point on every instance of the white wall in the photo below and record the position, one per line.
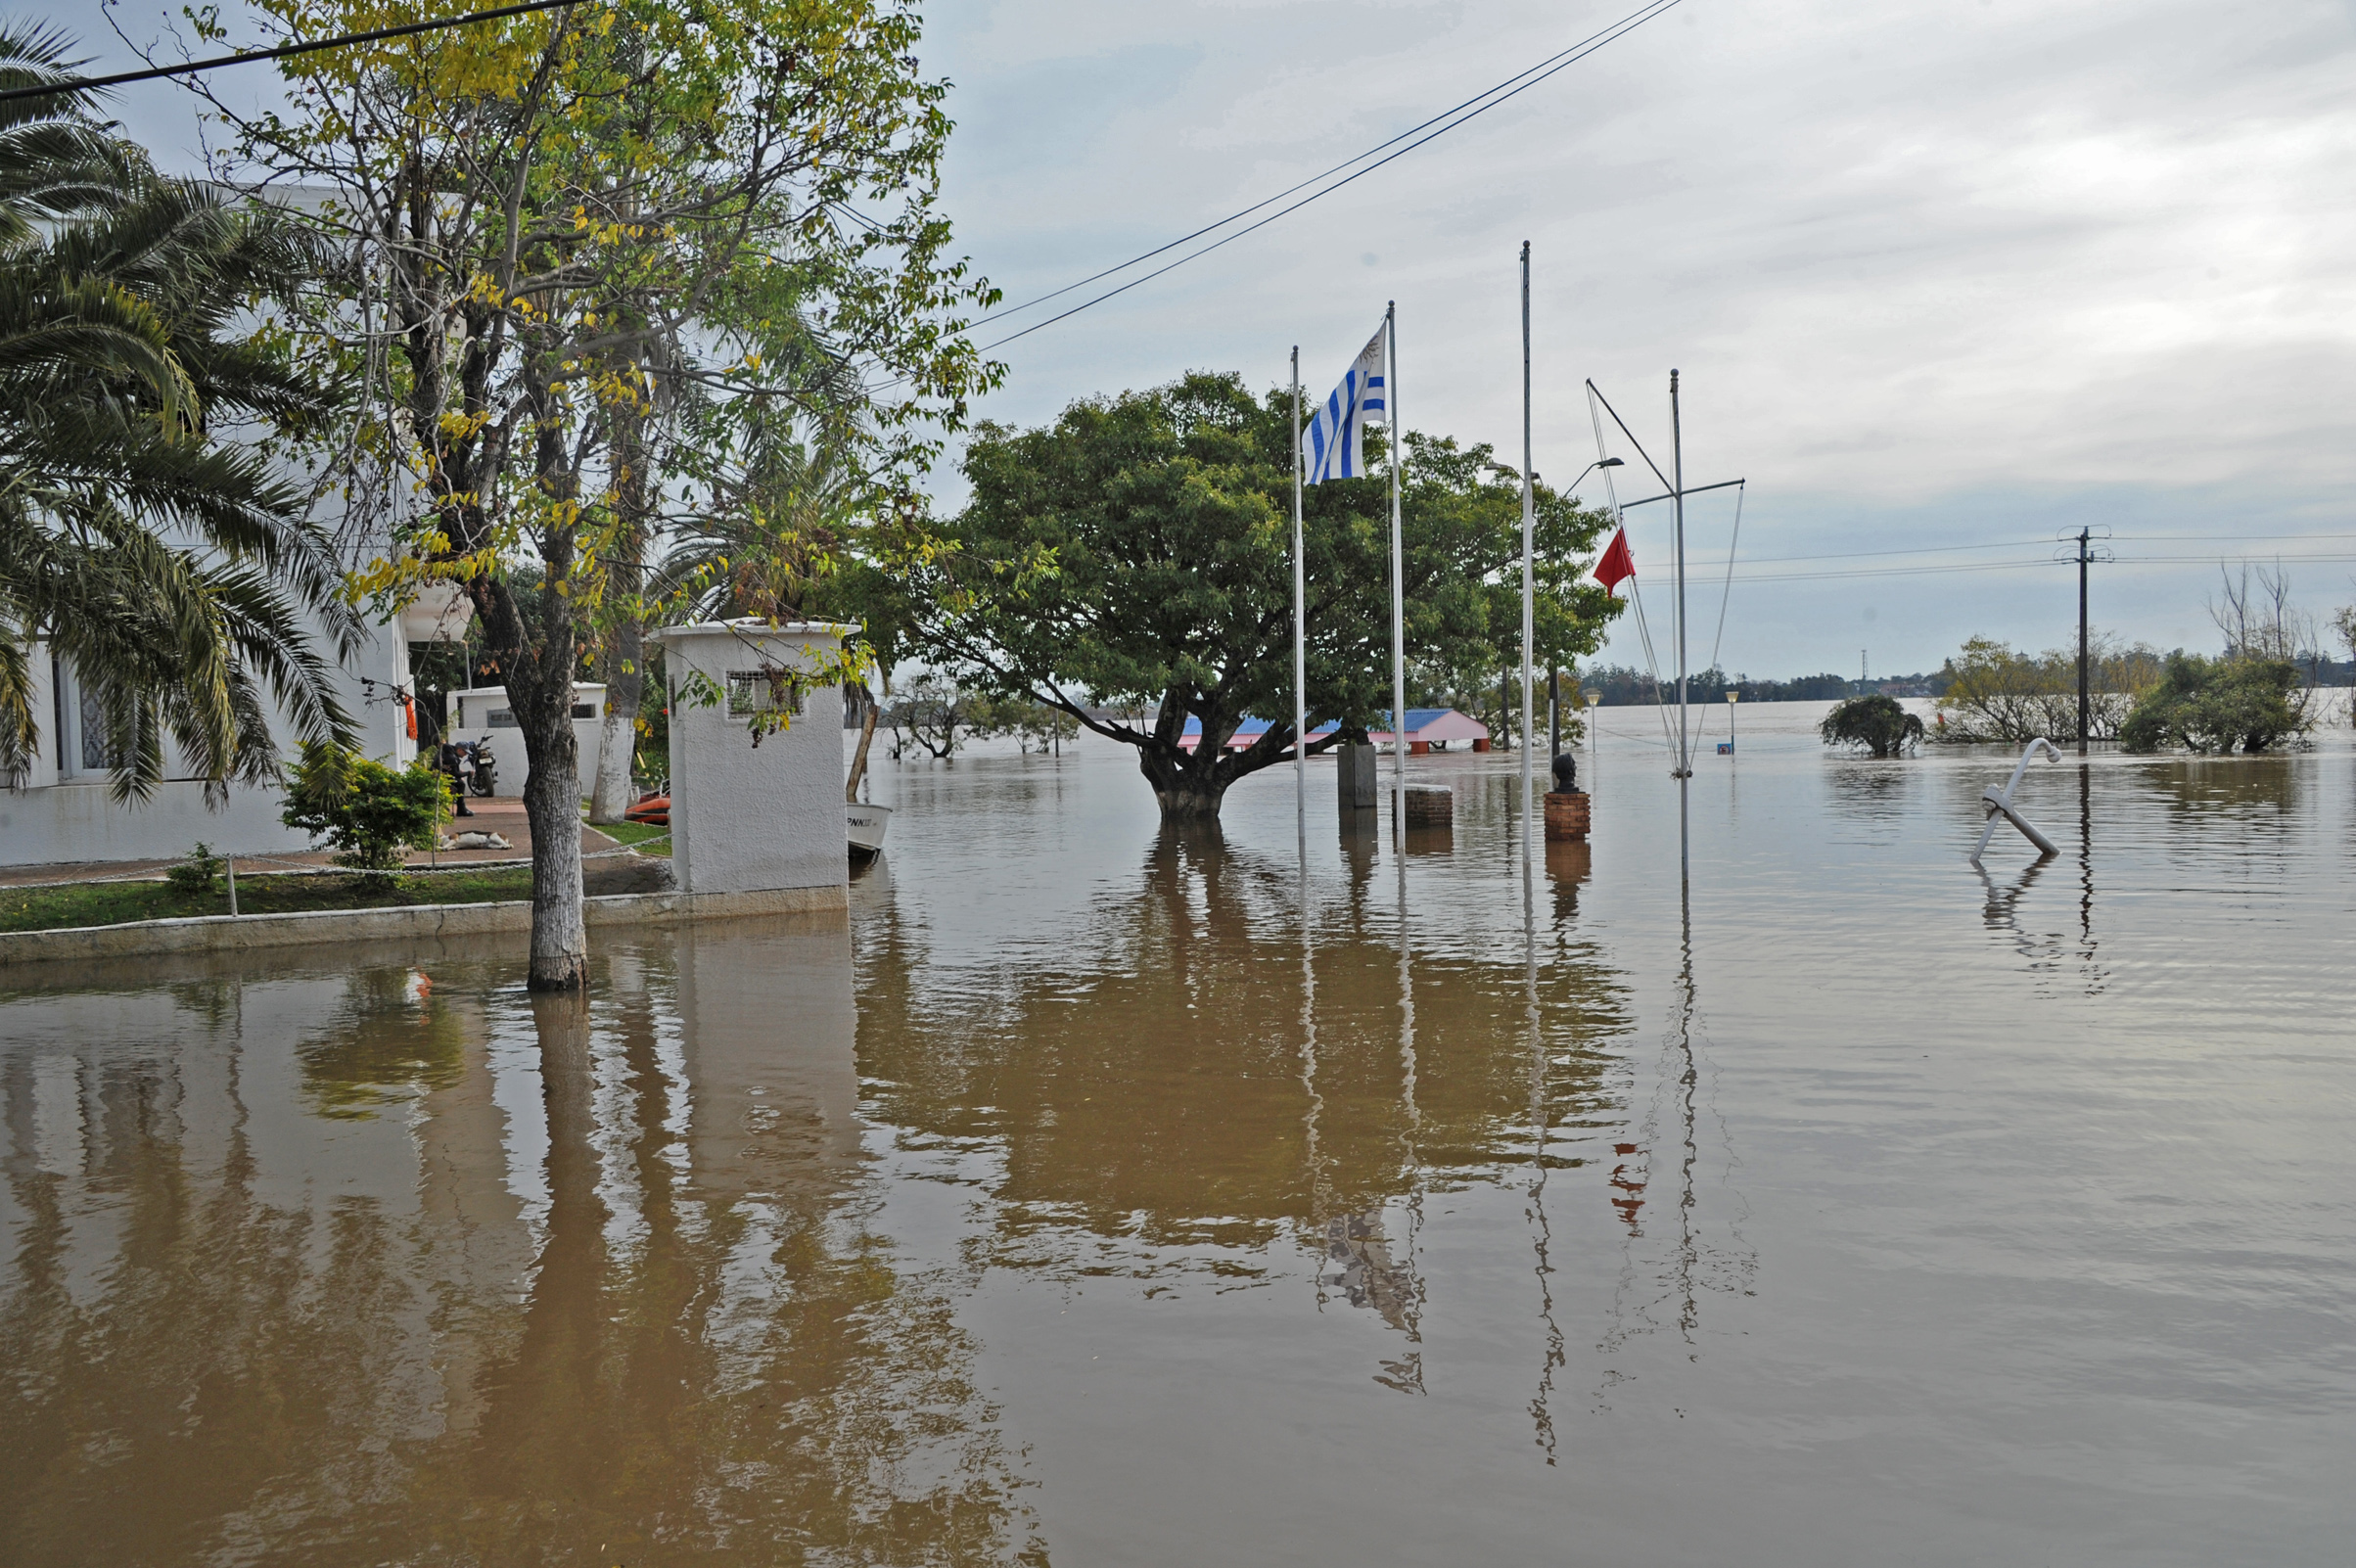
(65, 813)
(743, 817)
(474, 711)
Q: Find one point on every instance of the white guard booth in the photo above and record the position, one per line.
(747, 818)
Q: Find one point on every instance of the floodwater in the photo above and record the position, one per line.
(1099, 1196)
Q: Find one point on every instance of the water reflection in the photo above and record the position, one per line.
(595, 1279)
(1222, 1063)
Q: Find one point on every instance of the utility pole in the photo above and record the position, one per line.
(2085, 552)
(2084, 535)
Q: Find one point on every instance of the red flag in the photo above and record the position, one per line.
(1617, 564)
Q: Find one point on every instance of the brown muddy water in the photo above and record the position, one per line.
(1099, 1196)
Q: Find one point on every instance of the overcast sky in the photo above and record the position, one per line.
(1953, 275)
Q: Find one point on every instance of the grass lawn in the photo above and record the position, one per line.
(108, 903)
(637, 835)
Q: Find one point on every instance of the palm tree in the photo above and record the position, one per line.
(172, 569)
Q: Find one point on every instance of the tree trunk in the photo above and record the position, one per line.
(859, 759)
(1186, 793)
(560, 939)
(625, 653)
(625, 686)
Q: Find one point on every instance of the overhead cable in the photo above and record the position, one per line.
(1451, 119)
(81, 84)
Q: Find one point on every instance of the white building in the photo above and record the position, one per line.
(64, 809)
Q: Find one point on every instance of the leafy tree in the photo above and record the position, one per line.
(1995, 693)
(1137, 552)
(1879, 725)
(552, 229)
(169, 569)
(368, 812)
(2215, 704)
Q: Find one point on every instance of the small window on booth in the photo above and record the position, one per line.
(761, 691)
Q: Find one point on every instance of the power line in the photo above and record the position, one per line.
(2005, 565)
(81, 84)
(1237, 216)
(1563, 61)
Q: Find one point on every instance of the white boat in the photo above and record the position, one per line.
(868, 824)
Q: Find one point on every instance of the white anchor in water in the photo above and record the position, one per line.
(1996, 802)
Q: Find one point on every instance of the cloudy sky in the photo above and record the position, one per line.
(1943, 279)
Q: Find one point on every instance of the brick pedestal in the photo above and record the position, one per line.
(1566, 817)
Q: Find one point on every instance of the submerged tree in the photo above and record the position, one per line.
(1878, 725)
(2217, 704)
(1137, 553)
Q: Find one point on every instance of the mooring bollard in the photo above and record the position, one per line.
(1996, 803)
(1430, 805)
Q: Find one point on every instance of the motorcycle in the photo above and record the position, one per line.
(472, 768)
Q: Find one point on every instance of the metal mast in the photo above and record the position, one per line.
(1529, 591)
(1685, 750)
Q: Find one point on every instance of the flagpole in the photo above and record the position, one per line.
(1529, 589)
(1300, 635)
(1399, 658)
(1685, 751)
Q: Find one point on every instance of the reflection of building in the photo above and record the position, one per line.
(766, 1022)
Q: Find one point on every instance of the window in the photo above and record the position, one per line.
(764, 691)
(585, 710)
(97, 754)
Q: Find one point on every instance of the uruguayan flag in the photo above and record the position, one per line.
(1333, 448)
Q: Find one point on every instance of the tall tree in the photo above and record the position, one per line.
(171, 569)
(545, 219)
(1139, 552)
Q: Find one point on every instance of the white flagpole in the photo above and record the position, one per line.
(1398, 657)
(1529, 589)
(1685, 750)
(1300, 635)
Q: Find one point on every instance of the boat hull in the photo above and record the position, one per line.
(866, 824)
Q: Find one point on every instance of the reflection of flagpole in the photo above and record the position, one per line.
(1399, 658)
(1300, 638)
(1529, 591)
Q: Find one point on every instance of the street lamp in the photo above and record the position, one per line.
(1732, 696)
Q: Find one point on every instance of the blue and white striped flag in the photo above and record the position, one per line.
(1333, 447)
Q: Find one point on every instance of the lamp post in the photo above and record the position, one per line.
(1732, 696)
(1593, 697)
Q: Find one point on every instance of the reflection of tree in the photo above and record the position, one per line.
(1156, 1085)
(667, 1376)
(385, 1040)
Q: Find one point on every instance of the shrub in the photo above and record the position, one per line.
(195, 876)
(1877, 723)
(368, 812)
(2215, 704)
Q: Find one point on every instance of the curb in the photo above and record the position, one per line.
(241, 933)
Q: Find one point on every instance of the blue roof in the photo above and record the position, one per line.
(1261, 726)
(1418, 718)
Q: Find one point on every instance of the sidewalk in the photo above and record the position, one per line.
(504, 815)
